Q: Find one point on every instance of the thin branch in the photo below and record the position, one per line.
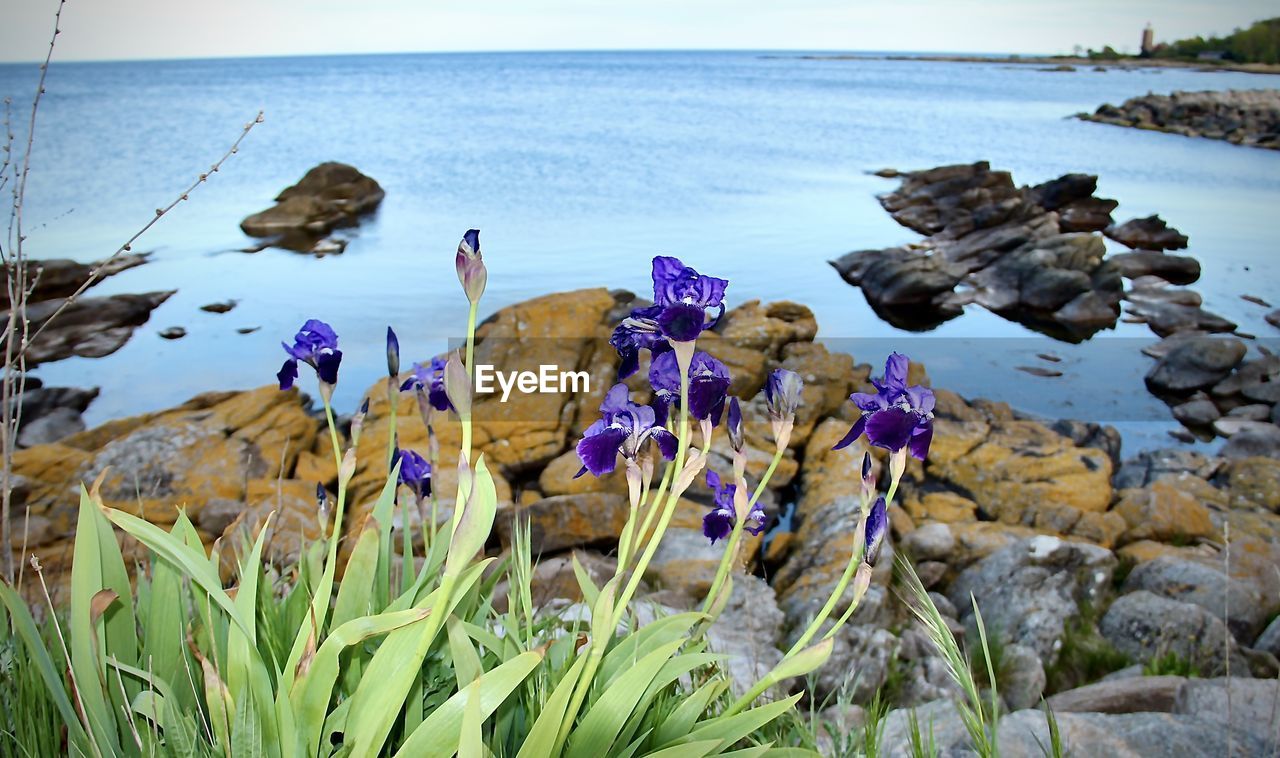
(96, 272)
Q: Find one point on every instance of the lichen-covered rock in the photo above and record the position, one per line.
(1254, 481)
(1163, 512)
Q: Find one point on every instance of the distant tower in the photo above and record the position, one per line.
(1148, 40)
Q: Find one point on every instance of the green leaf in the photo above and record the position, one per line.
(466, 664)
(730, 729)
(476, 523)
(471, 741)
(195, 565)
(589, 590)
(687, 750)
(38, 654)
(750, 752)
(596, 733)
(439, 736)
(680, 721)
(542, 737)
(642, 641)
(382, 513)
(313, 688)
(86, 631)
(356, 589)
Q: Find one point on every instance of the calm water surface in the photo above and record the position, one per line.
(578, 167)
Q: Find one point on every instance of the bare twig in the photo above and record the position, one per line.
(14, 383)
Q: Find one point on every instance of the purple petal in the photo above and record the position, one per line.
(682, 322)
(438, 398)
(664, 373)
(393, 353)
(599, 452)
(713, 480)
(630, 364)
(921, 398)
(717, 524)
(854, 433)
(920, 439)
(616, 400)
(706, 397)
(472, 238)
(891, 428)
(287, 374)
(877, 520)
(667, 442)
(666, 271)
(757, 517)
(895, 371)
(407, 384)
(868, 402)
(327, 366)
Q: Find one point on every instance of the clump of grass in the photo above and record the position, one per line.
(1171, 664)
(1085, 656)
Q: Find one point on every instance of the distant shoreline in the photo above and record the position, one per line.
(1055, 61)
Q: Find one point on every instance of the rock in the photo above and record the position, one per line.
(1253, 482)
(1152, 465)
(1135, 694)
(50, 427)
(1199, 412)
(329, 195)
(747, 632)
(1039, 371)
(1256, 412)
(946, 507)
(1239, 601)
(247, 329)
(1150, 233)
(1125, 734)
(51, 413)
(565, 521)
(221, 307)
(1030, 587)
(212, 448)
(1194, 364)
(859, 663)
(56, 278)
(1252, 439)
(295, 524)
(1168, 311)
(1089, 434)
(1144, 625)
(1175, 269)
(1029, 254)
(1269, 640)
(929, 542)
(1021, 677)
(1163, 512)
(1273, 318)
(1244, 117)
(89, 327)
(173, 333)
(1248, 706)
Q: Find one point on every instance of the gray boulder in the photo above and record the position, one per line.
(1250, 706)
(1028, 589)
(1144, 626)
(1194, 364)
(1209, 587)
(329, 195)
(1135, 694)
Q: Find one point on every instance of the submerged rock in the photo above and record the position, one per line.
(1196, 363)
(329, 195)
(90, 327)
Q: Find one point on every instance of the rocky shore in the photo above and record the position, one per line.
(1092, 569)
(1242, 117)
(328, 196)
(1037, 255)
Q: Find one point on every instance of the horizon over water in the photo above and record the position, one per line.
(578, 167)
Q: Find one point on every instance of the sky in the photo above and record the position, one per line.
(147, 29)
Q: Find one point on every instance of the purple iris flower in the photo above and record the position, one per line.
(708, 384)
(625, 428)
(717, 524)
(430, 379)
(639, 331)
(896, 416)
(877, 523)
(735, 425)
(415, 471)
(683, 296)
(393, 353)
(470, 265)
(315, 344)
(782, 392)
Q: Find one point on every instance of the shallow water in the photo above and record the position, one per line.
(578, 167)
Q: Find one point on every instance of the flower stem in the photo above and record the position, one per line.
(333, 433)
(735, 539)
(392, 401)
(469, 364)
